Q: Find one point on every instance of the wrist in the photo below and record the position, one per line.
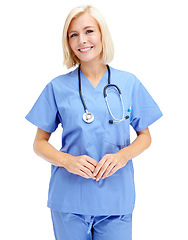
(123, 155)
(63, 159)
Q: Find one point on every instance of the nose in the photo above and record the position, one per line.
(82, 39)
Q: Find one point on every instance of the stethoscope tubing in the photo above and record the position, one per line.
(80, 90)
(110, 85)
(88, 116)
(116, 120)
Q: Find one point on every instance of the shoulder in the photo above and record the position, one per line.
(64, 78)
(63, 83)
(123, 76)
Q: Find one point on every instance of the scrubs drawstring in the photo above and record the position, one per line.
(90, 225)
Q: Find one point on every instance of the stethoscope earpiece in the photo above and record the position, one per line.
(118, 121)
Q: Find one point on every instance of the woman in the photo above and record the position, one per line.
(91, 192)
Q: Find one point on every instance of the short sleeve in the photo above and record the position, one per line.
(145, 110)
(44, 113)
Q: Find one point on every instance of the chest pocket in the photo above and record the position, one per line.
(117, 133)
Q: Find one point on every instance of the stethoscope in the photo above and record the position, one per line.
(88, 117)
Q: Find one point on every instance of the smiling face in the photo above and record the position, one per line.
(85, 38)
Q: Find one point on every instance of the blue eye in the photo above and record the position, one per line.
(74, 35)
(89, 31)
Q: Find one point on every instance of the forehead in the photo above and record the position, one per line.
(82, 21)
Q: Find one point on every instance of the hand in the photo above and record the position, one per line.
(81, 165)
(108, 165)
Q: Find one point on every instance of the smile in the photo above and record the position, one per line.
(85, 49)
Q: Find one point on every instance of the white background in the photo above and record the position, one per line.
(151, 41)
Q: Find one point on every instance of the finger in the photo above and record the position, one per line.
(91, 161)
(108, 170)
(103, 169)
(86, 171)
(112, 171)
(83, 174)
(85, 165)
(89, 166)
(99, 166)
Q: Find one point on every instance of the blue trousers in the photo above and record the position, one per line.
(70, 226)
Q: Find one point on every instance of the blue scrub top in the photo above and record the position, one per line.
(60, 103)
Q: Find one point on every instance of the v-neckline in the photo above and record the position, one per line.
(89, 85)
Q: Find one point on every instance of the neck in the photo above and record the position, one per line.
(93, 70)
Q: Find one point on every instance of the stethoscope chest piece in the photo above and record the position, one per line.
(88, 117)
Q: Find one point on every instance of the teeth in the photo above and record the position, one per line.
(85, 49)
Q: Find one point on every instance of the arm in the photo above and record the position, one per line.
(140, 144)
(110, 163)
(81, 165)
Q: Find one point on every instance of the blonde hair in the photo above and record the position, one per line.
(70, 59)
